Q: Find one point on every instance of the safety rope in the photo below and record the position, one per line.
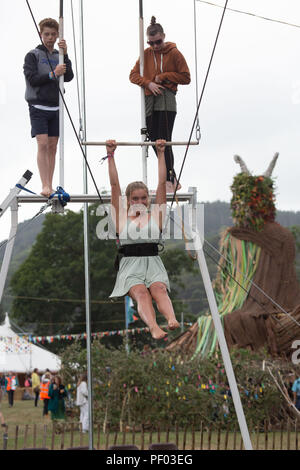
(28, 222)
(199, 104)
(76, 70)
(252, 14)
(226, 270)
(198, 130)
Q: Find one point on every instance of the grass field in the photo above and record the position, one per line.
(27, 428)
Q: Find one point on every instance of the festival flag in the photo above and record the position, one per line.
(130, 311)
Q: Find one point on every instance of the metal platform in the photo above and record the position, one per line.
(32, 198)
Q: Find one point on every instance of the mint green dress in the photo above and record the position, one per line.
(135, 270)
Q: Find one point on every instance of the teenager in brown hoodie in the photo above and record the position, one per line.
(164, 69)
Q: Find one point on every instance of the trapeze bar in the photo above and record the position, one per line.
(139, 144)
(95, 198)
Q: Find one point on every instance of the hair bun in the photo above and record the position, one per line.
(153, 20)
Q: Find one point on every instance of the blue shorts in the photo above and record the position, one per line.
(44, 122)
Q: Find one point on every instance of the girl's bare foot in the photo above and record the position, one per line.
(170, 187)
(157, 332)
(173, 324)
(46, 192)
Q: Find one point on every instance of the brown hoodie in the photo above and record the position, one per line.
(169, 65)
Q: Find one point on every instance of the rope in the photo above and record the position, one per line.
(68, 112)
(76, 69)
(199, 104)
(283, 393)
(237, 282)
(42, 209)
(198, 131)
(252, 14)
(225, 269)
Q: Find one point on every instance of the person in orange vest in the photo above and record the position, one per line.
(44, 389)
(11, 383)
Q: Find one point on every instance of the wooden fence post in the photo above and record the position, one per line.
(209, 437)
(226, 437)
(184, 437)
(257, 437)
(98, 436)
(201, 435)
(218, 438)
(143, 437)
(281, 436)
(53, 435)
(45, 436)
(62, 441)
(177, 434)
(72, 435)
(193, 436)
(274, 439)
(25, 436)
(288, 434)
(16, 437)
(107, 436)
(116, 437)
(266, 434)
(34, 435)
(234, 438)
(5, 438)
(167, 433)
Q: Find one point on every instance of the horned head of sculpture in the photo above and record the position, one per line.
(253, 199)
(267, 173)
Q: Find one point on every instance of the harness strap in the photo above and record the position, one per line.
(136, 249)
(139, 249)
(63, 197)
(18, 185)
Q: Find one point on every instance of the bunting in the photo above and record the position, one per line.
(77, 336)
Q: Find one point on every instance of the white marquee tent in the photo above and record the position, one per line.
(19, 355)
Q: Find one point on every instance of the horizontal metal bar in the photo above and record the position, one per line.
(31, 198)
(139, 144)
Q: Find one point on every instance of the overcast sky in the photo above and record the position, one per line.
(251, 104)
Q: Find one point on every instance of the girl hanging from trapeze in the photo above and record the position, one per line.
(141, 273)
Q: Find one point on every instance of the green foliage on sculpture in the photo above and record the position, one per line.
(253, 199)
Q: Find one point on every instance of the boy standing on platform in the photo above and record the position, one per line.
(41, 70)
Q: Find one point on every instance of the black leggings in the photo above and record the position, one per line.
(45, 407)
(10, 395)
(160, 126)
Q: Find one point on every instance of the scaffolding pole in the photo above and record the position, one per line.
(222, 341)
(140, 144)
(86, 244)
(143, 111)
(61, 104)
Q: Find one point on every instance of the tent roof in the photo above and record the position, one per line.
(19, 355)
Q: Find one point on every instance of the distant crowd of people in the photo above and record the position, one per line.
(49, 389)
